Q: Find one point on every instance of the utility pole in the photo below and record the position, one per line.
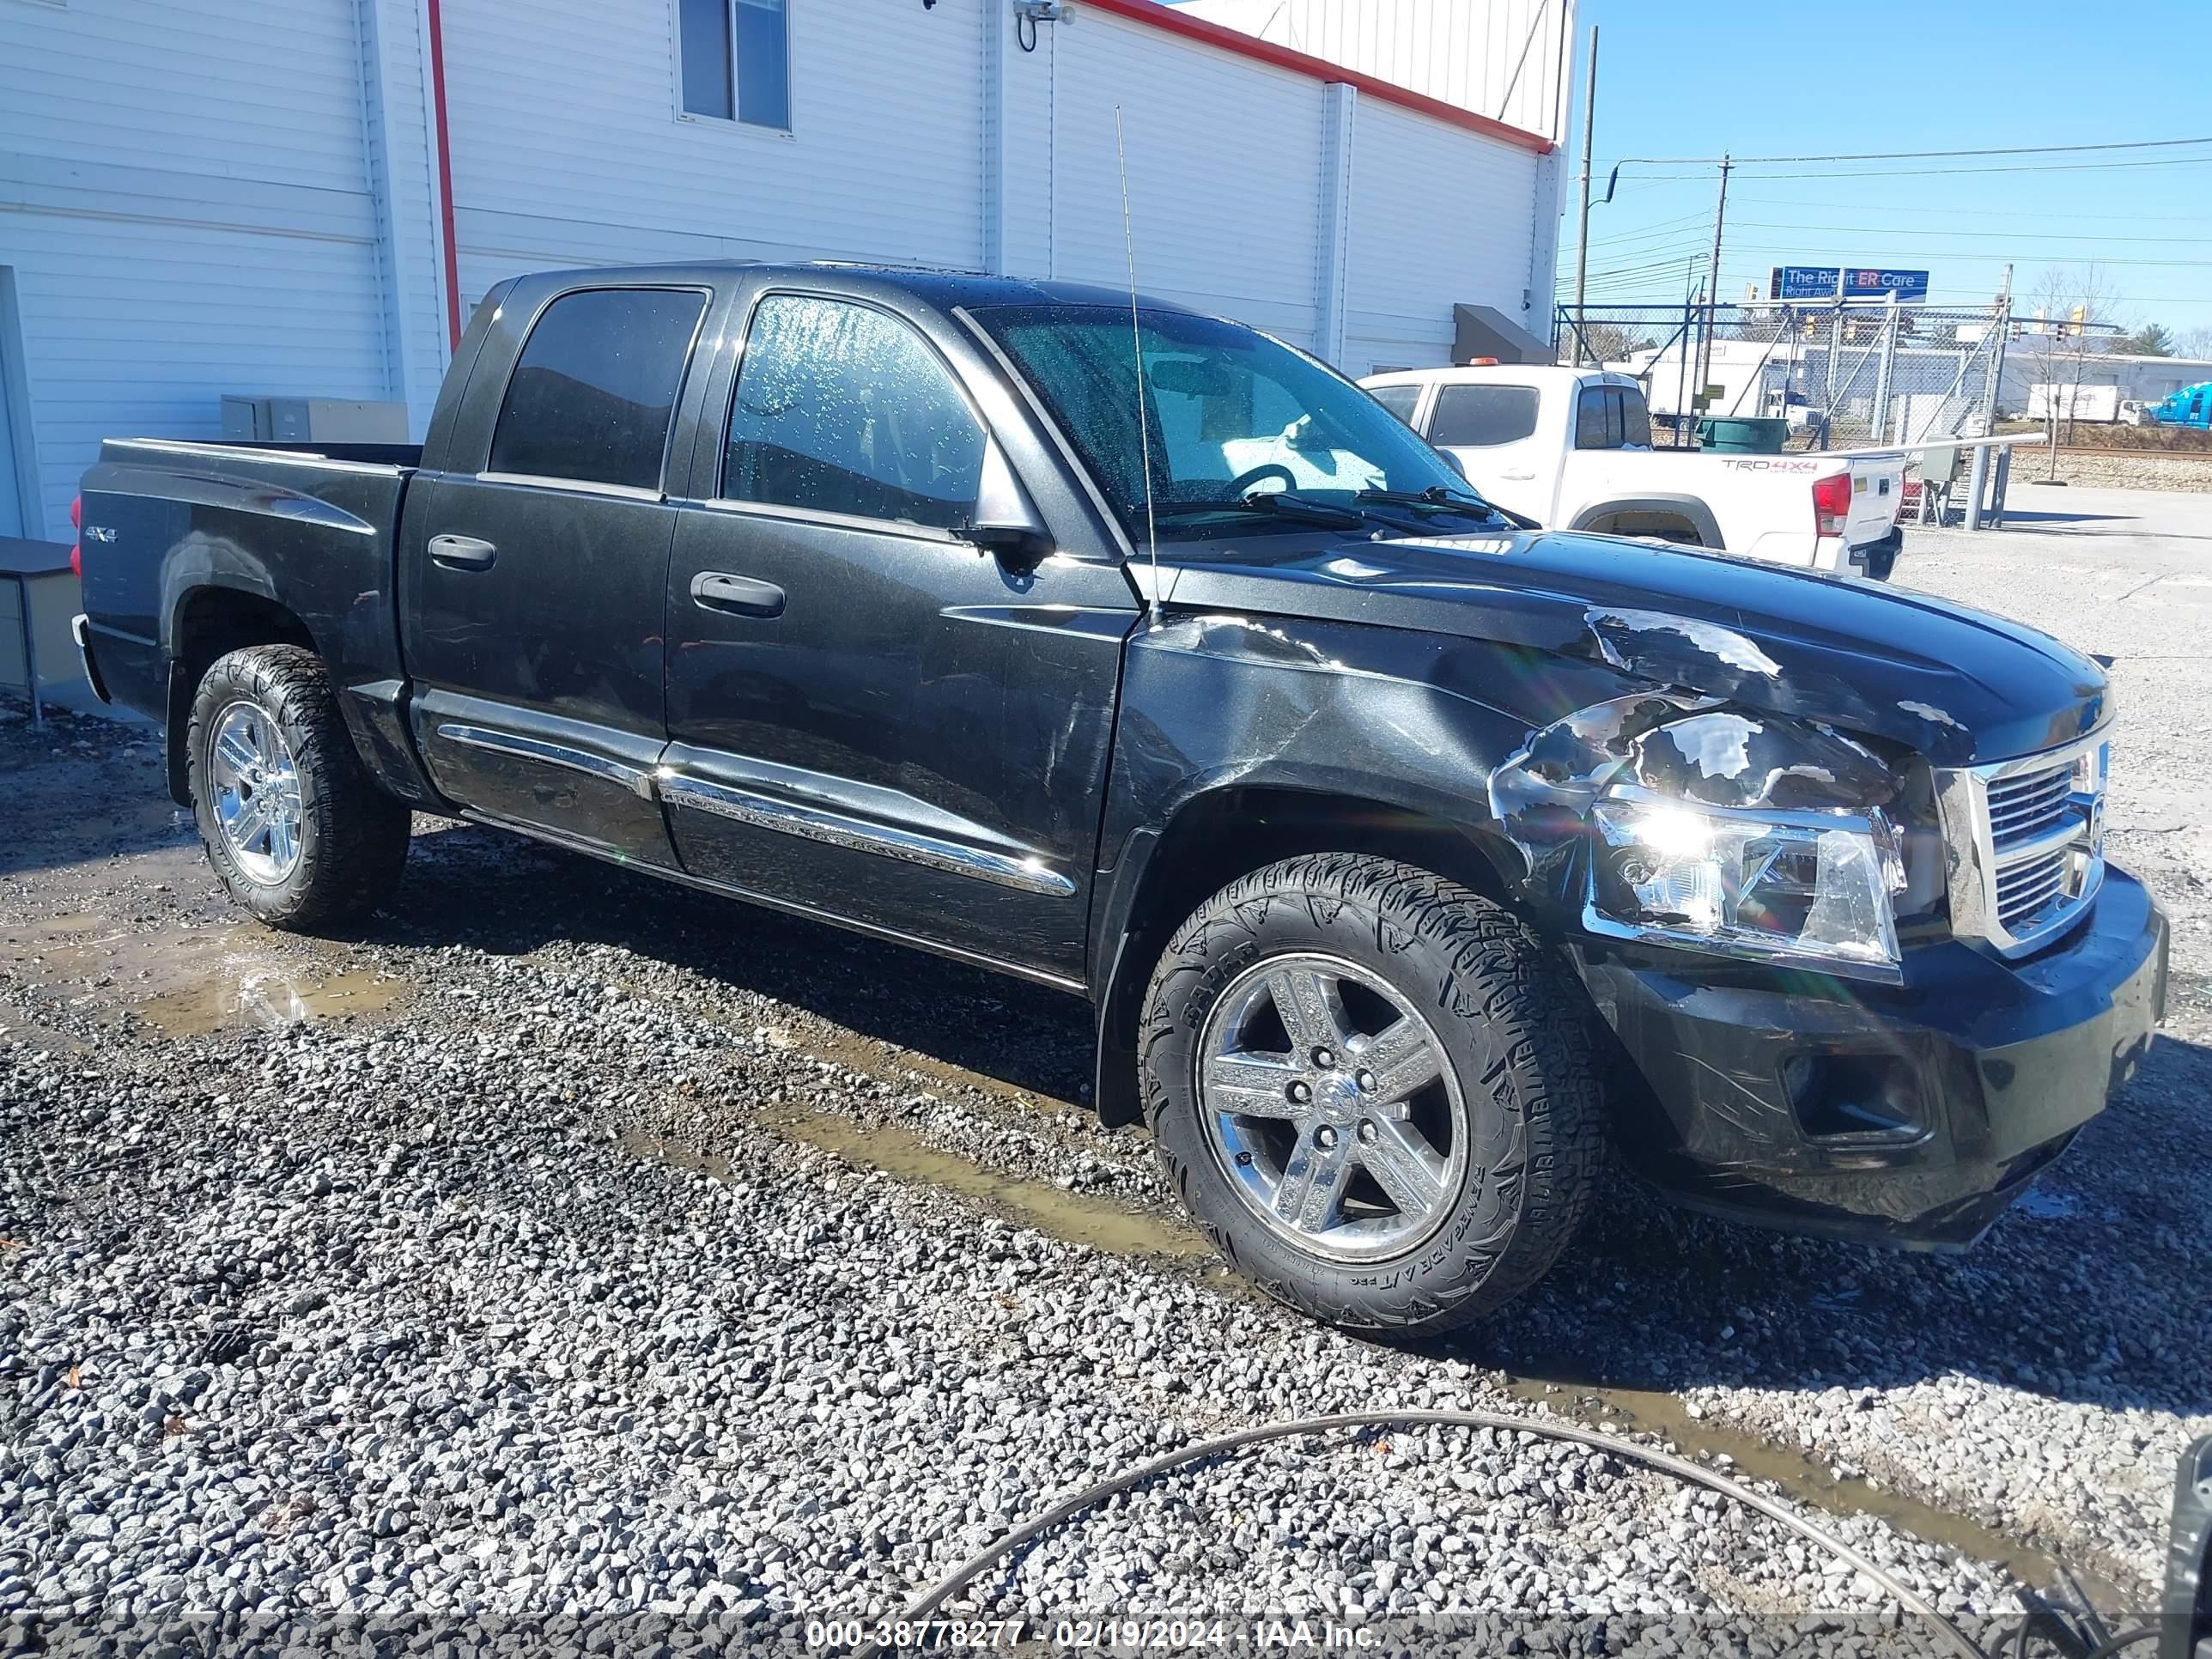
(1582, 239)
(1713, 285)
(1994, 385)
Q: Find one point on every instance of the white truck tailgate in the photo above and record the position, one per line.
(1877, 493)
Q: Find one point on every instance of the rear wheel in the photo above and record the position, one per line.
(291, 821)
(1374, 1089)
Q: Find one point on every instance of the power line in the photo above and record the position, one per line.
(1677, 263)
(1967, 212)
(1927, 154)
(1662, 228)
(2003, 236)
(2173, 264)
(1944, 172)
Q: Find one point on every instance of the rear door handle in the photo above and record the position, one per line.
(461, 552)
(717, 590)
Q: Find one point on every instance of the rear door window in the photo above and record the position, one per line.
(1478, 416)
(1635, 417)
(840, 408)
(1611, 417)
(1399, 400)
(594, 392)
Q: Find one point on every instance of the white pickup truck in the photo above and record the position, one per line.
(1571, 449)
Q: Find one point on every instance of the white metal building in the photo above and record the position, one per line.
(2132, 376)
(1509, 61)
(304, 200)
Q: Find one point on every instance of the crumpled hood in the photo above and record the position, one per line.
(1954, 684)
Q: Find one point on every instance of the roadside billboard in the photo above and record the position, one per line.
(1859, 283)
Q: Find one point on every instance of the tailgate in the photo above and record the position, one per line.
(1877, 494)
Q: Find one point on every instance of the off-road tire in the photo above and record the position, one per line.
(1513, 1027)
(353, 836)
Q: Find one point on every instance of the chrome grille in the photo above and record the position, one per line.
(2022, 807)
(2024, 889)
(2027, 843)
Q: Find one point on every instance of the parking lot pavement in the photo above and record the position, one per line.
(2124, 574)
(565, 1241)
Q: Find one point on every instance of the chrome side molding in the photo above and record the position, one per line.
(636, 779)
(1027, 875)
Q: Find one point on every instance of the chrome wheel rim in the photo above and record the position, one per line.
(255, 792)
(1330, 1108)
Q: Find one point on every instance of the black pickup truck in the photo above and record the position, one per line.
(1410, 856)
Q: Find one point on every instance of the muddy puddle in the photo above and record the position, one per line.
(187, 983)
(1072, 1217)
(1079, 1218)
(269, 999)
(1811, 1483)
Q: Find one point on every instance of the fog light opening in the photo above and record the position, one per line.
(1854, 1098)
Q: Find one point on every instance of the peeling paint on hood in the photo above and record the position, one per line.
(1954, 685)
(1654, 644)
(1927, 711)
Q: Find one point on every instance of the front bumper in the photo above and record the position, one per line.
(1970, 1077)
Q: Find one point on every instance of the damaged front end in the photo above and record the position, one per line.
(1680, 819)
(1759, 908)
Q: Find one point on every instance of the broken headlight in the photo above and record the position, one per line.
(1815, 888)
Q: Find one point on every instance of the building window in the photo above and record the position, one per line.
(737, 60)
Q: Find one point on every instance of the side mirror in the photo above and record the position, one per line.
(2188, 1609)
(1003, 522)
(1452, 461)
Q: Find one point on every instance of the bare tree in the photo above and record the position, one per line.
(2072, 321)
(1611, 343)
(2194, 342)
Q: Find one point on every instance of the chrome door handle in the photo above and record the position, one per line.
(717, 590)
(462, 553)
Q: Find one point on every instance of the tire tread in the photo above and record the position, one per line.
(359, 834)
(1519, 985)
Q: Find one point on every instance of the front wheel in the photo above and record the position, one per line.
(1374, 1089)
(292, 821)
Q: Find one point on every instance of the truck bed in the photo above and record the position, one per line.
(316, 526)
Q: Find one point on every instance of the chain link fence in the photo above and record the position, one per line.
(1842, 373)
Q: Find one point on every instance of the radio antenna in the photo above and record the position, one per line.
(1137, 356)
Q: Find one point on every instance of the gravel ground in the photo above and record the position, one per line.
(2114, 469)
(566, 1247)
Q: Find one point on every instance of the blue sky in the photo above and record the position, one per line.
(1799, 79)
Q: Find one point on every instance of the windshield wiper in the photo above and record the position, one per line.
(1437, 498)
(1281, 504)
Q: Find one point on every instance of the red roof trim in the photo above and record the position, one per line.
(1320, 69)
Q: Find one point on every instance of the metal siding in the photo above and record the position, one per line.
(1224, 160)
(189, 196)
(568, 149)
(1438, 217)
(397, 85)
(1503, 58)
(184, 201)
(1031, 183)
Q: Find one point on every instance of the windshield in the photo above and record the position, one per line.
(1233, 416)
